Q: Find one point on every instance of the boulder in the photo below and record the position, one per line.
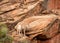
(43, 26)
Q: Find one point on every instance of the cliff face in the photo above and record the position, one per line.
(14, 11)
(54, 4)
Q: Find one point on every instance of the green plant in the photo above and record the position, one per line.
(4, 38)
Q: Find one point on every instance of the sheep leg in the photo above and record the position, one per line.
(24, 32)
(17, 31)
(21, 34)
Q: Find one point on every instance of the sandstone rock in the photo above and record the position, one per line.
(55, 39)
(3, 2)
(6, 8)
(44, 26)
(22, 13)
